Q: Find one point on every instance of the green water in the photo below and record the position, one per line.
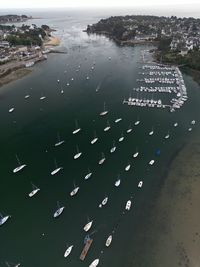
(31, 132)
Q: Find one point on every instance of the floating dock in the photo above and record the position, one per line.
(86, 248)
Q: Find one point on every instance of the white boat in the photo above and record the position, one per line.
(3, 219)
(74, 191)
(167, 136)
(136, 154)
(94, 140)
(107, 128)
(29, 64)
(127, 168)
(13, 264)
(60, 142)
(77, 128)
(11, 110)
(104, 112)
(117, 182)
(68, 251)
(129, 130)
(104, 201)
(151, 132)
(140, 184)
(112, 150)
(27, 96)
(57, 169)
(59, 210)
(190, 129)
(78, 154)
(118, 120)
(108, 241)
(193, 122)
(121, 138)
(88, 175)
(175, 124)
(94, 263)
(87, 226)
(137, 122)
(42, 97)
(151, 162)
(20, 167)
(101, 161)
(128, 205)
(34, 191)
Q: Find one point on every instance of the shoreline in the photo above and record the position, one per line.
(174, 233)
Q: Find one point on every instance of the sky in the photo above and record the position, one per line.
(91, 3)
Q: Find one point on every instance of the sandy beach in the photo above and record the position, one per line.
(53, 41)
(174, 226)
(15, 75)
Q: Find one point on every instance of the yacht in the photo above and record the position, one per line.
(101, 161)
(107, 128)
(129, 130)
(151, 132)
(94, 263)
(34, 191)
(57, 169)
(112, 150)
(3, 219)
(59, 210)
(151, 162)
(68, 251)
(175, 124)
(108, 241)
(121, 138)
(94, 140)
(140, 184)
(118, 120)
(104, 112)
(88, 175)
(117, 182)
(78, 154)
(74, 191)
(128, 205)
(60, 142)
(193, 122)
(77, 128)
(87, 226)
(167, 136)
(11, 110)
(20, 167)
(127, 168)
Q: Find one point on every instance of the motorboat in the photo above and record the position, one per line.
(11, 110)
(128, 205)
(193, 122)
(68, 251)
(34, 191)
(108, 241)
(105, 200)
(140, 184)
(104, 112)
(94, 263)
(60, 142)
(101, 161)
(78, 154)
(20, 167)
(59, 210)
(57, 169)
(4, 219)
(107, 128)
(87, 226)
(77, 128)
(151, 162)
(118, 120)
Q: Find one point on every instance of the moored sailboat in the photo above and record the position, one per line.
(20, 167)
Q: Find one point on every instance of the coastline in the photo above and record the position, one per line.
(174, 233)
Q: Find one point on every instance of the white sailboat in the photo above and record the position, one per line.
(101, 161)
(121, 138)
(136, 154)
(104, 112)
(137, 122)
(77, 128)
(59, 210)
(94, 140)
(118, 120)
(151, 132)
(190, 129)
(87, 226)
(27, 96)
(108, 241)
(88, 175)
(4, 219)
(107, 128)
(118, 181)
(11, 110)
(60, 142)
(20, 167)
(193, 122)
(12, 264)
(57, 169)
(42, 97)
(34, 191)
(112, 150)
(175, 124)
(128, 205)
(128, 166)
(129, 130)
(74, 191)
(94, 263)
(78, 154)
(140, 184)
(104, 202)
(68, 251)
(167, 135)
(151, 162)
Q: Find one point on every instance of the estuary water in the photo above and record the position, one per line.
(32, 236)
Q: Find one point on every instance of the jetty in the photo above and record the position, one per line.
(88, 242)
